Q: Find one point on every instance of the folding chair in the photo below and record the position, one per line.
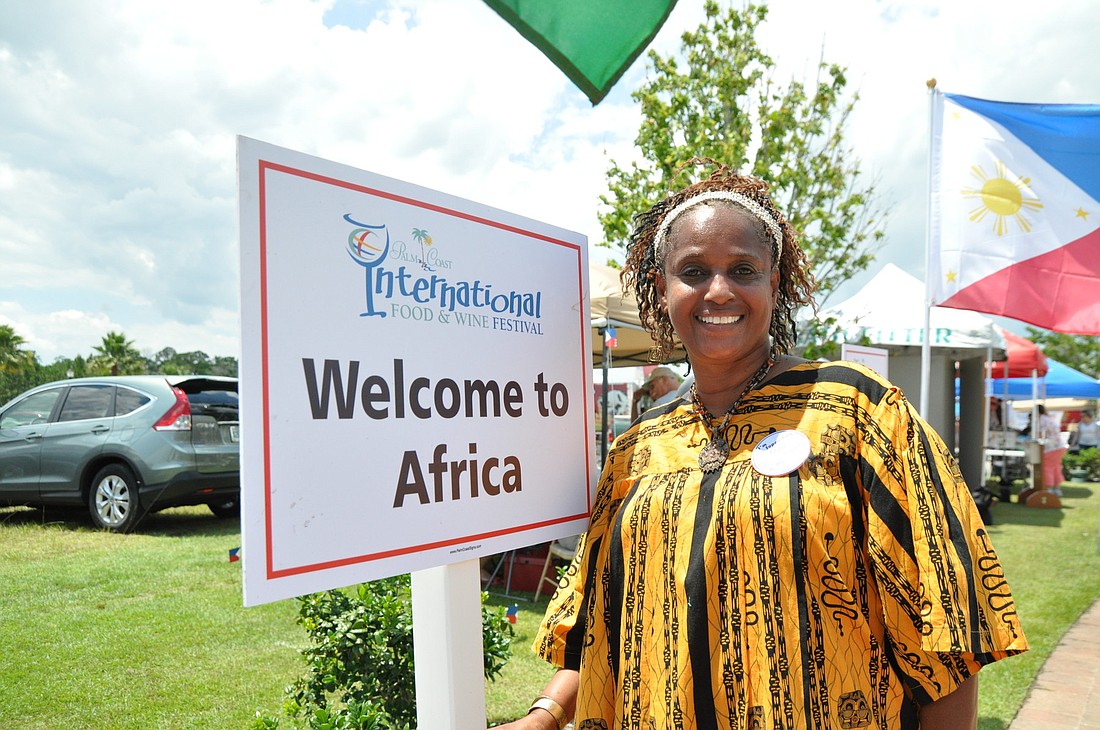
(563, 549)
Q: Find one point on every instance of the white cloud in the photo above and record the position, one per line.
(118, 125)
(46, 333)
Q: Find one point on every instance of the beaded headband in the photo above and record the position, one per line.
(745, 202)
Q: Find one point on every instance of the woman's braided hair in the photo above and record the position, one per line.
(644, 259)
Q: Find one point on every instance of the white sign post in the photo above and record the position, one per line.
(447, 651)
(416, 389)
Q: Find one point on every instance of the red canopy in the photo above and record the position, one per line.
(1024, 356)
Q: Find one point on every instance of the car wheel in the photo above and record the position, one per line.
(113, 499)
(227, 508)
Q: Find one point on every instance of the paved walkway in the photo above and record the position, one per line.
(1066, 694)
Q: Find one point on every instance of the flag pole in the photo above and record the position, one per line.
(926, 344)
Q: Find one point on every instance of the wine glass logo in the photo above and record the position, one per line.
(367, 248)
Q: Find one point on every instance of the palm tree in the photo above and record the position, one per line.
(116, 355)
(13, 359)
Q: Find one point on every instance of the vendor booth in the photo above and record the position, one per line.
(889, 313)
(1010, 456)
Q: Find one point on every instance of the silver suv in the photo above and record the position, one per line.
(124, 446)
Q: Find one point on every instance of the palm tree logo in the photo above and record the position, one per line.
(366, 248)
(425, 239)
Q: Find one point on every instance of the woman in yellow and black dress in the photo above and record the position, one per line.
(787, 546)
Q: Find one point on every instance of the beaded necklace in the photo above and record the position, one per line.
(713, 455)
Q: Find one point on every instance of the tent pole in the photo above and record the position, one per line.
(605, 356)
(1004, 425)
(987, 401)
(929, 238)
(987, 391)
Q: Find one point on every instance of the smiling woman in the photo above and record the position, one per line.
(769, 566)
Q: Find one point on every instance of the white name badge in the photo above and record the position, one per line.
(781, 453)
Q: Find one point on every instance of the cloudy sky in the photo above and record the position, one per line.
(118, 124)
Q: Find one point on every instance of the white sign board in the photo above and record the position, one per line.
(876, 358)
(416, 377)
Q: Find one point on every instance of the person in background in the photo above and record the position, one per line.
(996, 422)
(1087, 435)
(789, 545)
(659, 388)
(1049, 435)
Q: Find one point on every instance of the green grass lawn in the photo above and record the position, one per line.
(147, 630)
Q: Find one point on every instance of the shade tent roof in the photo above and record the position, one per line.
(611, 307)
(1061, 381)
(889, 312)
(1024, 358)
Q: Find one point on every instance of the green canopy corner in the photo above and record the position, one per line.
(592, 41)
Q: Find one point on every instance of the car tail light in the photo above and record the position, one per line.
(178, 417)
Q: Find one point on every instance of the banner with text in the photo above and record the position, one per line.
(416, 377)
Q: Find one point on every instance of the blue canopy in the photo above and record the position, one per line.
(1061, 381)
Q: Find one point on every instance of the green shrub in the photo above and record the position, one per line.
(1086, 459)
(360, 659)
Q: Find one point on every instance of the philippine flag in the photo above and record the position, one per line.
(1015, 217)
(610, 338)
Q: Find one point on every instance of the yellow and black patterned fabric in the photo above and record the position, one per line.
(839, 596)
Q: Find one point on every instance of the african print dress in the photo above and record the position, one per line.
(838, 596)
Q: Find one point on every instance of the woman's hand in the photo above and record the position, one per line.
(562, 688)
(537, 720)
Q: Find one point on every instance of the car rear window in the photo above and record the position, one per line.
(221, 405)
(87, 401)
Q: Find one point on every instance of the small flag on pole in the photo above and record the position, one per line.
(234, 554)
(512, 613)
(610, 338)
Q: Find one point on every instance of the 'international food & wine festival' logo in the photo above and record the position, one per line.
(422, 293)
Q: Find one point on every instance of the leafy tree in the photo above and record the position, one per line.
(1080, 352)
(726, 104)
(20, 369)
(183, 363)
(225, 366)
(12, 384)
(116, 356)
(63, 368)
(170, 362)
(158, 360)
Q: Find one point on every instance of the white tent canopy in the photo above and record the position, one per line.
(889, 312)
